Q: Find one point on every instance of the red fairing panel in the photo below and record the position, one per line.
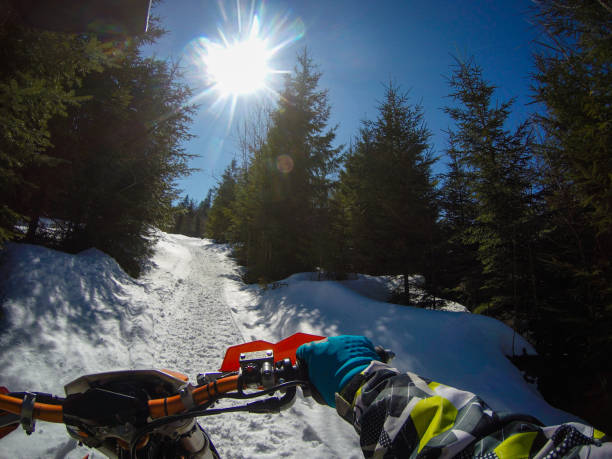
(282, 350)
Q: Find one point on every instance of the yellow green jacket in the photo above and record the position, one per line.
(404, 415)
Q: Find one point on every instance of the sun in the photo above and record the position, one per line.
(234, 70)
(240, 67)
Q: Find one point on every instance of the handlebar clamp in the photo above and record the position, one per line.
(27, 413)
(257, 368)
(186, 394)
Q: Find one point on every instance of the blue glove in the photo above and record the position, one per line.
(333, 362)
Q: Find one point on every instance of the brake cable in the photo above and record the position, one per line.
(272, 404)
(243, 395)
(163, 407)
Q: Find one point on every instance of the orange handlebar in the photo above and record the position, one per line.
(42, 411)
(161, 407)
(157, 408)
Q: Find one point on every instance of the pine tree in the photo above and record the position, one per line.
(282, 205)
(218, 226)
(38, 77)
(104, 171)
(574, 83)
(121, 179)
(496, 163)
(389, 193)
(205, 205)
(460, 271)
(201, 215)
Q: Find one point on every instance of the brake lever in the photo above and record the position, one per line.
(273, 404)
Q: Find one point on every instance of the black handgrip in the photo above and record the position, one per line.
(309, 390)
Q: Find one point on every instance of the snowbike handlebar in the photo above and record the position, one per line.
(259, 365)
(43, 411)
(137, 412)
(199, 396)
(157, 408)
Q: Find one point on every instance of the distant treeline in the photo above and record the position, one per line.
(190, 219)
(519, 227)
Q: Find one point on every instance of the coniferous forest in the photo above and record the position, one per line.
(518, 226)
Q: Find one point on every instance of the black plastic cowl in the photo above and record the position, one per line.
(104, 408)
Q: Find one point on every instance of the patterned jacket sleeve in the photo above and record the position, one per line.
(404, 415)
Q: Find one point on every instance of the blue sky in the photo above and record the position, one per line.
(359, 46)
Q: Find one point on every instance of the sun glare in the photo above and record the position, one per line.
(237, 65)
(241, 68)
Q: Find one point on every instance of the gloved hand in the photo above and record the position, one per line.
(334, 361)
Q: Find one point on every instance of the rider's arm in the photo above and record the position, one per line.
(402, 414)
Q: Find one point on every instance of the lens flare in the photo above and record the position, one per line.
(284, 163)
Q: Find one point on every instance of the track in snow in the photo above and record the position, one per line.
(194, 325)
(195, 283)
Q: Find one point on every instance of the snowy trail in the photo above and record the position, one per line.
(197, 286)
(193, 325)
(70, 315)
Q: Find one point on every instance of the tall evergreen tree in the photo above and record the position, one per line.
(493, 164)
(104, 171)
(190, 219)
(38, 77)
(123, 147)
(574, 83)
(218, 226)
(201, 215)
(461, 271)
(283, 201)
(205, 205)
(388, 191)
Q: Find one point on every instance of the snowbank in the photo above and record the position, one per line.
(464, 350)
(64, 316)
(74, 312)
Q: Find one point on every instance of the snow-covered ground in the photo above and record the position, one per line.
(68, 315)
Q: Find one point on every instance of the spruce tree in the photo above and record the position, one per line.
(494, 163)
(388, 191)
(104, 170)
(201, 215)
(220, 216)
(282, 208)
(124, 150)
(574, 83)
(460, 270)
(39, 75)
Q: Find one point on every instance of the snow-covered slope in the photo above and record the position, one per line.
(67, 315)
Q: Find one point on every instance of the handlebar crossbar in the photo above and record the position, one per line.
(42, 411)
(168, 406)
(158, 408)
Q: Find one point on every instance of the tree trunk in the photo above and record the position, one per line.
(32, 227)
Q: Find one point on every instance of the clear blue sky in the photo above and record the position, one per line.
(358, 45)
